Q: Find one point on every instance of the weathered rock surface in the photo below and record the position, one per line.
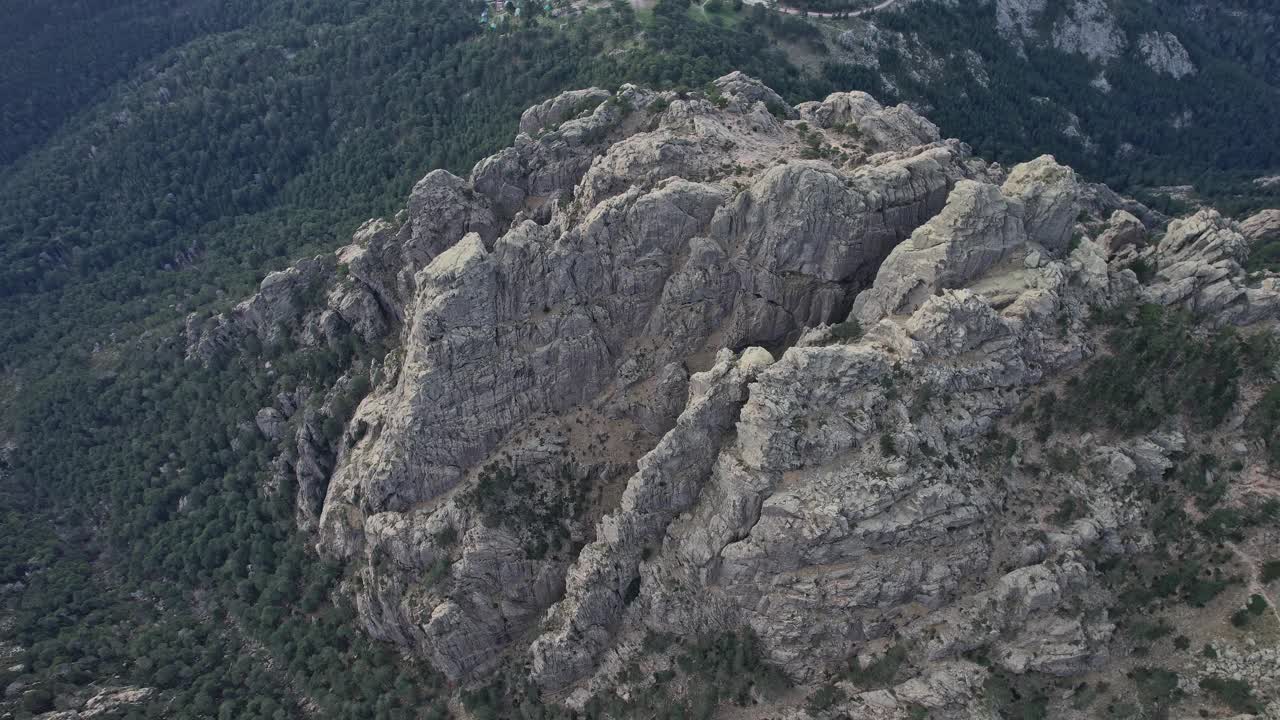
(565, 106)
(1050, 196)
(1199, 269)
(1162, 52)
(605, 577)
(808, 529)
(588, 269)
(882, 128)
(1089, 28)
(978, 228)
(1092, 29)
(1263, 226)
(580, 441)
(1016, 19)
(106, 702)
(1124, 231)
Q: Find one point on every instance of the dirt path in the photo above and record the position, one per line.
(1255, 579)
(850, 13)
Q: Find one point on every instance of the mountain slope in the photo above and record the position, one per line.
(626, 448)
(1127, 92)
(945, 479)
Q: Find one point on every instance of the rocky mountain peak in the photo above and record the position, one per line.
(679, 364)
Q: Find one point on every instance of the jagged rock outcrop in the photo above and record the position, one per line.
(602, 299)
(1262, 226)
(1162, 52)
(1089, 28)
(1101, 201)
(536, 172)
(580, 441)
(839, 549)
(573, 270)
(384, 260)
(1050, 196)
(1199, 269)
(1124, 232)
(269, 317)
(744, 91)
(96, 702)
(978, 228)
(605, 577)
(882, 128)
(1016, 19)
(565, 106)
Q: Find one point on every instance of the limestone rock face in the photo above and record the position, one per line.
(526, 176)
(1016, 18)
(593, 269)
(1090, 29)
(268, 316)
(100, 702)
(1263, 226)
(683, 365)
(818, 526)
(1162, 52)
(565, 106)
(271, 422)
(745, 91)
(1050, 195)
(978, 228)
(605, 577)
(1199, 269)
(1124, 231)
(883, 128)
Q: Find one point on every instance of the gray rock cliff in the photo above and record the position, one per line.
(687, 365)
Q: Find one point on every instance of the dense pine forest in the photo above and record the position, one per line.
(158, 158)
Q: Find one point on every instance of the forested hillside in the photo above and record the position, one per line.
(1102, 101)
(59, 58)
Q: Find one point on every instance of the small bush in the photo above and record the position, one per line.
(1016, 696)
(1157, 367)
(1236, 694)
(1157, 686)
(1145, 271)
(1063, 460)
(1223, 524)
(1150, 631)
(824, 698)
(879, 672)
(1264, 422)
(438, 570)
(1271, 571)
(848, 330)
(887, 447)
(1068, 510)
(447, 537)
(38, 700)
